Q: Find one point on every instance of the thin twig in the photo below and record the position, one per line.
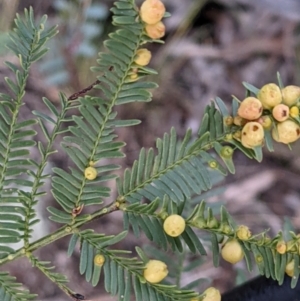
(87, 89)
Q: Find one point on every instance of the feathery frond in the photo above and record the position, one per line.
(16, 136)
(11, 290)
(93, 138)
(145, 217)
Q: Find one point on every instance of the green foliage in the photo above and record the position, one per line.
(161, 182)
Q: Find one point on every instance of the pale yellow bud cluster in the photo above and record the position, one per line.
(151, 13)
(273, 109)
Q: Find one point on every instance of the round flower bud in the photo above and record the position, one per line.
(212, 294)
(90, 173)
(152, 11)
(250, 108)
(226, 229)
(143, 57)
(243, 232)
(232, 251)
(174, 225)
(281, 112)
(99, 260)
(270, 96)
(294, 111)
(237, 135)
(281, 247)
(238, 120)
(287, 132)
(265, 121)
(290, 267)
(290, 95)
(252, 134)
(226, 152)
(155, 31)
(155, 271)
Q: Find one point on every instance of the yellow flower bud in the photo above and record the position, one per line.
(226, 152)
(152, 11)
(232, 251)
(155, 271)
(252, 134)
(290, 95)
(212, 294)
(143, 57)
(266, 122)
(270, 96)
(287, 132)
(174, 225)
(237, 135)
(99, 260)
(155, 31)
(281, 247)
(243, 232)
(294, 112)
(290, 267)
(250, 108)
(280, 112)
(239, 121)
(90, 173)
(228, 120)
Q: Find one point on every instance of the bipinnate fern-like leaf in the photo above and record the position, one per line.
(47, 269)
(180, 169)
(269, 261)
(10, 290)
(93, 138)
(148, 218)
(17, 215)
(121, 274)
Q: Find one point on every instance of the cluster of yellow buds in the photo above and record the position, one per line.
(272, 108)
(151, 13)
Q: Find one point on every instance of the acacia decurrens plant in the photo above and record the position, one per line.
(160, 183)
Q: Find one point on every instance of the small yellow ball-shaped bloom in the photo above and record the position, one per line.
(155, 271)
(143, 57)
(290, 95)
(212, 294)
(228, 120)
(155, 31)
(266, 122)
(250, 108)
(232, 251)
(90, 173)
(281, 112)
(281, 247)
(239, 121)
(99, 260)
(252, 134)
(226, 152)
(290, 268)
(294, 111)
(237, 135)
(243, 232)
(287, 131)
(152, 11)
(270, 96)
(174, 225)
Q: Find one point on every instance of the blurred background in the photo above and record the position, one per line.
(211, 46)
